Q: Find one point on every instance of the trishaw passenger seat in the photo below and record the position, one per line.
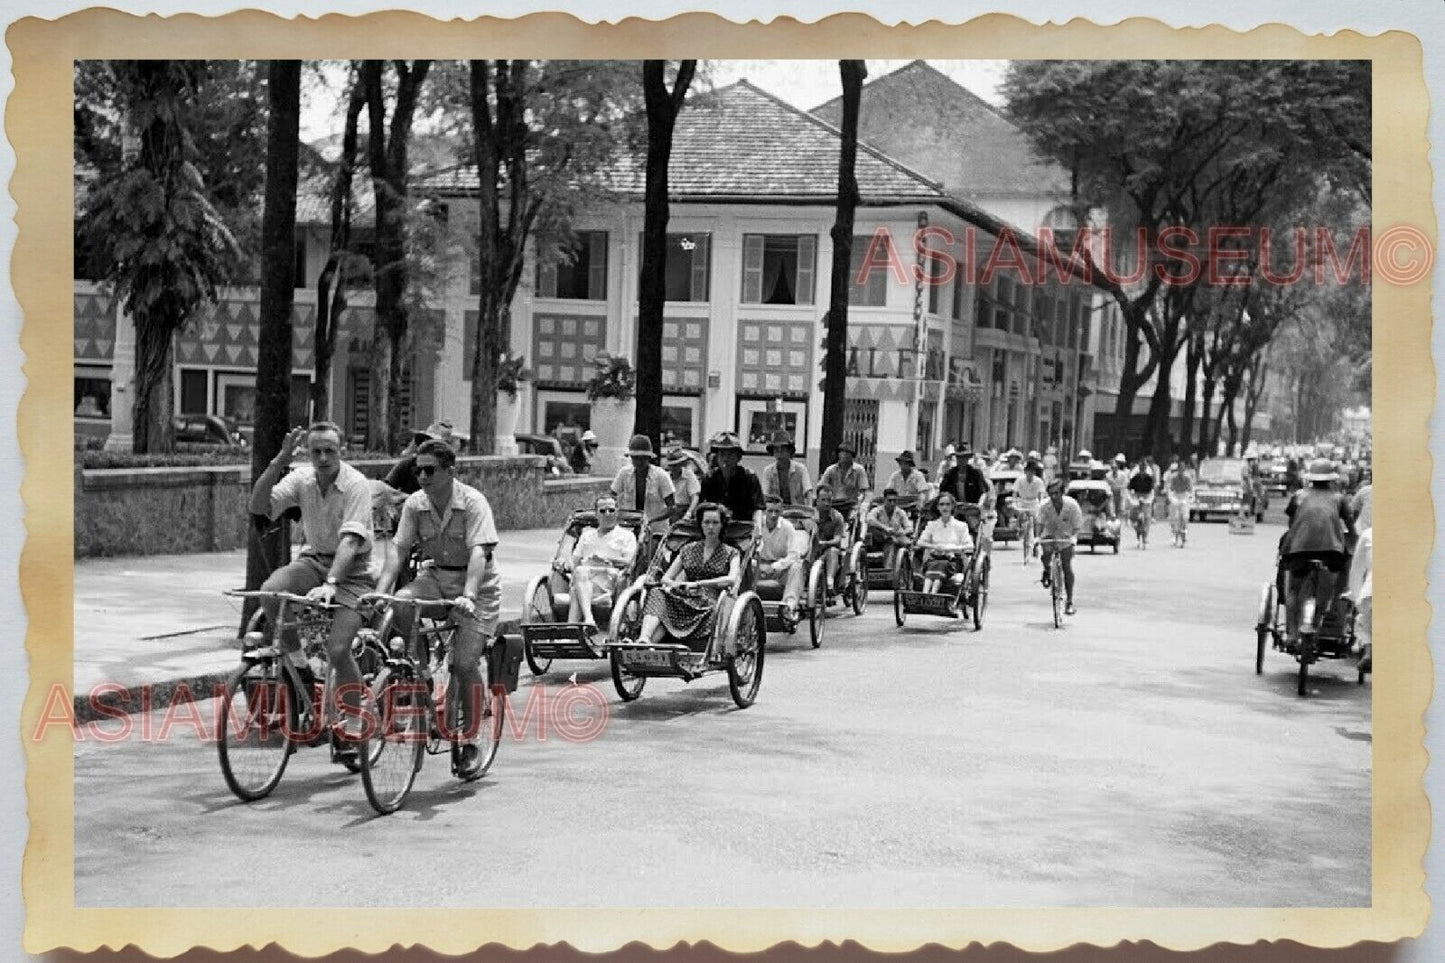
(769, 589)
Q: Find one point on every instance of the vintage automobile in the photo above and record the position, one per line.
(1101, 525)
(549, 448)
(1274, 474)
(1219, 491)
(1006, 527)
(211, 430)
(1087, 470)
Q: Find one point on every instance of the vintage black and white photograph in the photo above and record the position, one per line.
(719, 483)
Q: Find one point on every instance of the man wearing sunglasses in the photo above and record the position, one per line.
(450, 523)
(602, 557)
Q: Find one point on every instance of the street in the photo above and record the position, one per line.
(1132, 758)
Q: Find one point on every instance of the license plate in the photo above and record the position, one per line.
(646, 657)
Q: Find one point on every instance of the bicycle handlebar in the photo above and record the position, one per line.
(403, 599)
(283, 596)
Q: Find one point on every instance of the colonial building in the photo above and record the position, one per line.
(753, 182)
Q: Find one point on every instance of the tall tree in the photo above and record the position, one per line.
(835, 343)
(266, 550)
(544, 135)
(387, 155)
(663, 106)
(168, 246)
(331, 283)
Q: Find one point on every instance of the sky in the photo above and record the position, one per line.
(803, 83)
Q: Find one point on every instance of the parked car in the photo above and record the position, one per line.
(549, 448)
(1274, 473)
(202, 429)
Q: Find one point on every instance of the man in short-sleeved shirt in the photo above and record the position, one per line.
(336, 518)
(731, 484)
(602, 557)
(1060, 519)
(847, 480)
(451, 525)
(657, 493)
(908, 480)
(778, 556)
(786, 477)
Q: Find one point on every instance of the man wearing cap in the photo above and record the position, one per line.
(847, 479)
(786, 477)
(681, 464)
(966, 481)
(1118, 478)
(644, 487)
(402, 476)
(778, 556)
(907, 480)
(730, 484)
(582, 452)
(1321, 528)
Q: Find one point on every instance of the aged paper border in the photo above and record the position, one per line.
(38, 125)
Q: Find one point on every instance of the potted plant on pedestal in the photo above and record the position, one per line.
(512, 371)
(611, 391)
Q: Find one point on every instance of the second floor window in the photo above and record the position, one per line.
(579, 276)
(688, 266)
(779, 268)
(872, 293)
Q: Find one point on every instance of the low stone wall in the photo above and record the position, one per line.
(164, 511)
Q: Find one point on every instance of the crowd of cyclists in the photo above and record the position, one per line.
(360, 534)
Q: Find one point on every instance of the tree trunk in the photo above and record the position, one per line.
(1191, 395)
(1132, 377)
(151, 409)
(1258, 371)
(329, 305)
(835, 345)
(662, 110)
(267, 549)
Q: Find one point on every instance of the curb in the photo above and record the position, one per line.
(118, 700)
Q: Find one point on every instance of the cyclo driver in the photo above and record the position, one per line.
(451, 523)
(889, 527)
(1061, 519)
(1321, 528)
(335, 503)
(847, 480)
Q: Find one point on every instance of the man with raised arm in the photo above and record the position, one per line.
(335, 503)
(451, 524)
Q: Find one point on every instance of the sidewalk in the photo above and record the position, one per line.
(161, 620)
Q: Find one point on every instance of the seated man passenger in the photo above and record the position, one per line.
(888, 528)
(946, 543)
(778, 556)
(828, 537)
(600, 561)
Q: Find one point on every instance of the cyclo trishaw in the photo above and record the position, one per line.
(1007, 528)
(1322, 635)
(971, 596)
(1095, 500)
(736, 645)
(852, 584)
(812, 603)
(877, 575)
(546, 633)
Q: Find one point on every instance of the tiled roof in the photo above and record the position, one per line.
(313, 202)
(936, 125)
(740, 142)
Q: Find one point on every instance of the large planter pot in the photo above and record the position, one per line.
(612, 421)
(509, 410)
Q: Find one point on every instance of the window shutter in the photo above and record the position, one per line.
(700, 263)
(752, 268)
(597, 266)
(807, 256)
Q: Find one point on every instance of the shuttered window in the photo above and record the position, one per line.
(779, 268)
(581, 274)
(687, 270)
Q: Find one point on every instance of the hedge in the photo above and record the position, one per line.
(191, 455)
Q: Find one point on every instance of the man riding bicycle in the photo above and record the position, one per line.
(1060, 519)
(335, 503)
(1321, 529)
(451, 524)
(1028, 494)
(1141, 501)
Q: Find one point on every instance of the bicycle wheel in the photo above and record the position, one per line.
(1306, 656)
(258, 716)
(745, 670)
(1056, 590)
(398, 712)
(817, 602)
(980, 594)
(859, 579)
(538, 608)
(626, 624)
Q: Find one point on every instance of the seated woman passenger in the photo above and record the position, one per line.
(945, 542)
(601, 559)
(685, 603)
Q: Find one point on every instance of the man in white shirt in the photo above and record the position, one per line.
(847, 479)
(779, 558)
(889, 527)
(1028, 495)
(907, 480)
(1060, 520)
(601, 559)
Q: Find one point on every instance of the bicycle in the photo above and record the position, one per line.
(271, 705)
(1056, 576)
(399, 713)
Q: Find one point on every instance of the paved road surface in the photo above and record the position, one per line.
(1132, 758)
